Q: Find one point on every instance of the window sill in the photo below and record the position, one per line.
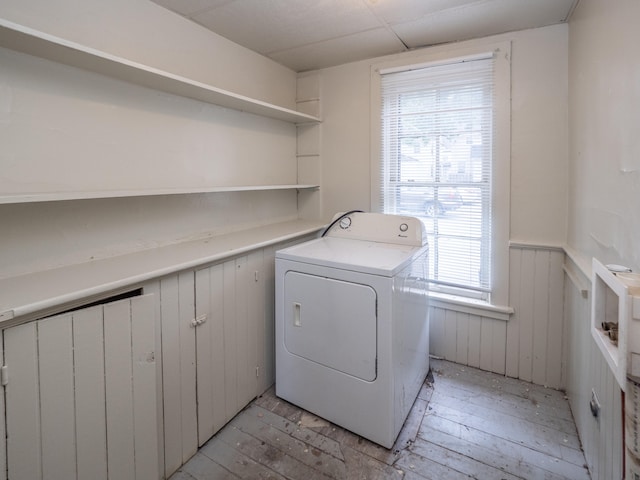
(469, 305)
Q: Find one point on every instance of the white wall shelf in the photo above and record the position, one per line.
(32, 42)
(59, 196)
(37, 294)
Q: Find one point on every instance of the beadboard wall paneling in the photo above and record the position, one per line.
(587, 371)
(529, 345)
(535, 331)
(468, 339)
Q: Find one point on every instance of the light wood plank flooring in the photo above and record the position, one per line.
(466, 423)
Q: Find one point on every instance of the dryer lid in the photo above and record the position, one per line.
(385, 259)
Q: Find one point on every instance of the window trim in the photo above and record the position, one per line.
(501, 174)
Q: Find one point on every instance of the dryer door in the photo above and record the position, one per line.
(331, 322)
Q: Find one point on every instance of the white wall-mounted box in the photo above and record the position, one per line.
(615, 306)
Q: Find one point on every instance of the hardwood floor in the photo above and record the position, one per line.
(466, 423)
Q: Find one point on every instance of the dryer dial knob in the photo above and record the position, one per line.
(404, 227)
(345, 223)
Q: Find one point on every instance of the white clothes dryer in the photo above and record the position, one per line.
(352, 329)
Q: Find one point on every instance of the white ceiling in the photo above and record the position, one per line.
(310, 34)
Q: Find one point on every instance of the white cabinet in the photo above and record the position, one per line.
(80, 394)
(230, 341)
(216, 329)
(130, 389)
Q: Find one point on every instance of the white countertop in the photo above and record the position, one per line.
(39, 292)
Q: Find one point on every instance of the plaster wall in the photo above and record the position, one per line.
(604, 179)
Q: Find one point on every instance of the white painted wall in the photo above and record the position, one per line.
(69, 130)
(539, 133)
(144, 32)
(604, 74)
(64, 129)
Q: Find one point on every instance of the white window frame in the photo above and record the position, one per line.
(500, 191)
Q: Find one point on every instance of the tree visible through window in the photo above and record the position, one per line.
(437, 146)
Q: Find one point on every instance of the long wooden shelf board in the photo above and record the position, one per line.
(59, 196)
(39, 292)
(32, 42)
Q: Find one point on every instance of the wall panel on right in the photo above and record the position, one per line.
(587, 372)
(535, 331)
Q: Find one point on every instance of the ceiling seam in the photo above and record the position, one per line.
(368, 5)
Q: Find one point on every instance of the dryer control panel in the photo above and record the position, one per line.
(380, 227)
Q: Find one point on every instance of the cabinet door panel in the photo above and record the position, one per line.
(76, 410)
(23, 407)
(230, 339)
(144, 392)
(235, 343)
(118, 389)
(187, 362)
(244, 378)
(256, 317)
(3, 432)
(178, 370)
(210, 348)
(91, 427)
(231, 349)
(57, 416)
(268, 375)
(153, 289)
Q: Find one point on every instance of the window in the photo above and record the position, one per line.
(438, 158)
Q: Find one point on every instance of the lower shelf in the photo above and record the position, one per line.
(612, 354)
(36, 294)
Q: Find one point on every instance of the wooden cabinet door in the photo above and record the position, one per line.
(176, 344)
(212, 395)
(81, 394)
(217, 349)
(230, 310)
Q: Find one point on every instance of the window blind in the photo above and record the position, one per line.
(437, 142)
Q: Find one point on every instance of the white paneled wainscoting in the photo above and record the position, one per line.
(468, 339)
(588, 374)
(547, 341)
(535, 331)
(526, 344)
